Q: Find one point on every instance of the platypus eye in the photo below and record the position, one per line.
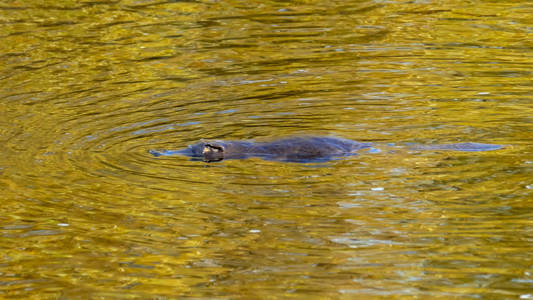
(212, 148)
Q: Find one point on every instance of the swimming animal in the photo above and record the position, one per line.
(297, 149)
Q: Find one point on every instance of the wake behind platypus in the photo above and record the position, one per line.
(297, 149)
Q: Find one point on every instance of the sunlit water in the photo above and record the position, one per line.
(88, 88)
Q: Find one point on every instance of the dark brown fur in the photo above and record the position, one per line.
(288, 149)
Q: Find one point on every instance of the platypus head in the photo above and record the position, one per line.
(208, 151)
(213, 151)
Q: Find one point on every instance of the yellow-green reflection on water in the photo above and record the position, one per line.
(87, 88)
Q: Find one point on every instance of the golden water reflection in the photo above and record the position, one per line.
(87, 88)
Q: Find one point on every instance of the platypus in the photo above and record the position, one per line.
(297, 149)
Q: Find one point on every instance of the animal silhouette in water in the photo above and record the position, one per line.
(297, 149)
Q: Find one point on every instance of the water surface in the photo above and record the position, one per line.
(87, 88)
